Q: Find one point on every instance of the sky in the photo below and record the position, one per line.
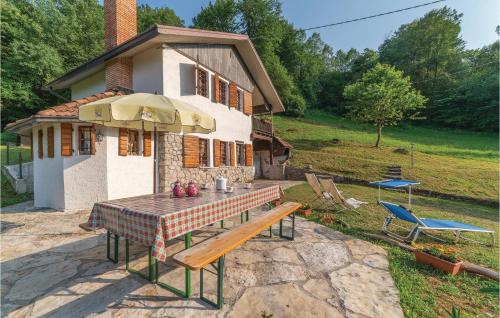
(480, 18)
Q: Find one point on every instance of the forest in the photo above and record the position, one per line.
(43, 39)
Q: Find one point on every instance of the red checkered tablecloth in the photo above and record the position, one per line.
(154, 219)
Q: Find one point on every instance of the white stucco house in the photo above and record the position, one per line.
(76, 164)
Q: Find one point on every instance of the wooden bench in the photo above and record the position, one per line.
(214, 249)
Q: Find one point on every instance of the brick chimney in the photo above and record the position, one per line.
(120, 25)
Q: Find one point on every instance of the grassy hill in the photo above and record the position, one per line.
(448, 161)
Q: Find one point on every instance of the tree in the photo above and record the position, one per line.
(148, 16)
(473, 104)
(429, 50)
(221, 16)
(383, 96)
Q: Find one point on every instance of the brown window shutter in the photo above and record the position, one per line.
(248, 155)
(233, 95)
(92, 140)
(50, 142)
(232, 156)
(191, 152)
(216, 153)
(247, 103)
(66, 139)
(216, 88)
(40, 144)
(123, 141)
(146, 143)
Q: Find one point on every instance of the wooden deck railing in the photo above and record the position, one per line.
(261, 126)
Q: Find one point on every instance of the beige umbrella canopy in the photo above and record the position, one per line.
(145, 111)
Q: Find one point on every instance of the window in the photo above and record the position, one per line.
(133, 142)
(223, 153)
(223, 92)
(212, 89)
(239, 100)
(202, 82)
(240, 154)
(203, 144)
(85, 140)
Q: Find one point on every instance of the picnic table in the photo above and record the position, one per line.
(395, 184)
(154, 219)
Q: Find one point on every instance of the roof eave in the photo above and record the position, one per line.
(22, 126)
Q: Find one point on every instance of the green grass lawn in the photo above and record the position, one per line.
(8, 195)
(426, 292)
(447, 161)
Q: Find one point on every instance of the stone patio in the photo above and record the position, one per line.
(52, 268)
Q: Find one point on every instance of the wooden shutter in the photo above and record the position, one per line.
(216, 88)
(191, 152)
(247, 103)
(146, 143)
(216, 153)
(122, 141)
(40, 144)
(248, 155)
(50, 142)
(233, 95)
(232, 157)
(92, 140)
(66, 139)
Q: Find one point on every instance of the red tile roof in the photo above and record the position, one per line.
(69, 109)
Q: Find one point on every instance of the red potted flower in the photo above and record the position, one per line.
(306, 210)
(444, 259)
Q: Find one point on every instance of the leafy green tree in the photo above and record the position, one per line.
(222, 15)
(429, 50)
(383, 96)
(148, 16)
(473, 104)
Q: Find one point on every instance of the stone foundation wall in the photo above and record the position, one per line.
(171, 166)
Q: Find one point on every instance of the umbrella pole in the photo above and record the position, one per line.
(155, 150)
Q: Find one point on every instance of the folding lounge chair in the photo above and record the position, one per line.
(423, 224)
(347, 204)
(325, 197)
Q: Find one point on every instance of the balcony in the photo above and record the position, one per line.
(262, 127)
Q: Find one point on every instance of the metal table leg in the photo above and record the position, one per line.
(187, 292)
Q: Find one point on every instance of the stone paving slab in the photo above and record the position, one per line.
(52, 268)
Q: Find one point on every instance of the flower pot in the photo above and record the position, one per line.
(327, 219)
(436, 262)
(306, 212)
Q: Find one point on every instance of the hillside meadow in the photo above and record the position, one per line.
(447, 161)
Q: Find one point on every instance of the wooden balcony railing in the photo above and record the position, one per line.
(261, 126)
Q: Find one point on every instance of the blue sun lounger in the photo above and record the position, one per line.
(422, 224)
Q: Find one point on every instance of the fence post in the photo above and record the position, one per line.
(20, 164)
(411, 156)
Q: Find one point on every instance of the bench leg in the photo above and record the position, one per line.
(247, 216)
(220, 282)
(187, 292)
(291, 237)
(222, 224)
(108, 247)
(133, 271)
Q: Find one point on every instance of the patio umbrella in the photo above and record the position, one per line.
(147, 111)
